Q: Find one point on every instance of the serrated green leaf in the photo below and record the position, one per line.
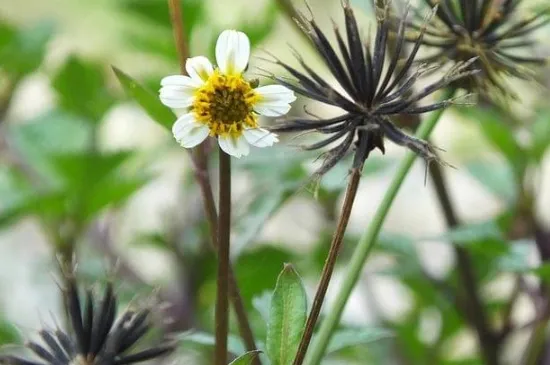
(81, 89)
(354, 337)
(245, 359)
(287, 317)
(23, 50)
(147, 100)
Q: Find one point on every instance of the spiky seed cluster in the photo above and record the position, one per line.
(95, 338)
(377, 88)
(491, 30)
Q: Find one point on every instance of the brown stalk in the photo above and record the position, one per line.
(330, 262)
(224, 230)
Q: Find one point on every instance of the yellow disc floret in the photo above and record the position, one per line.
(225, 103)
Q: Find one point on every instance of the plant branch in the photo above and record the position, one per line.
(179, 34)
(224, 226)
(488, 339)
(330, 262)
(200, 170)
(366, 243)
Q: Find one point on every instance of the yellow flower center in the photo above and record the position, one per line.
(225, 103)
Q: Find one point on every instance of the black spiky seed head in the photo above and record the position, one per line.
(378, 85)
(494, 31)
(95, 337)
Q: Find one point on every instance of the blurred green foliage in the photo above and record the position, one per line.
(54, 169)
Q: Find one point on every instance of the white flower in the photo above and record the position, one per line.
(220, 102)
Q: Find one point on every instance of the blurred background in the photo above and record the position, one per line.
(82, 164)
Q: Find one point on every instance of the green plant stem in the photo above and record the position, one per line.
(330, 262)
(224, 225)
(366, 243)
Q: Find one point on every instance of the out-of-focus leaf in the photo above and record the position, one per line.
(48, 204)
(147, 100)
(498, 178)
(22, 51)
(287, 317)
(245, 359)
(8, 333)
(158, 14)
(258, 31)
(337, 177)
(111, 192)
(500, 135)
(83, 169)
(81, 89)
(52, 133)
(354, 337)
(517, 257)
(234, 343)
(262, 304)
(471, 232)
(540, 134)
(257, 213)
(257, 270)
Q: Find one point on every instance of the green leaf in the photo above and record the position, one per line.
(22, 51)
(147, 100)
(287, 317)
(467, 233)
(517, 257)
(234, 343)
(54, 132)
(257, 270)
(354, 337)
(82, 89)
(258, 212)
(498, 178)
(157, 13)
(540, 134)
(500, 135)
(245, 359)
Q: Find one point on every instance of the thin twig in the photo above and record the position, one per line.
(179, 34)
(224, 226)
(330, 262)
(200, 170)
(488, 340)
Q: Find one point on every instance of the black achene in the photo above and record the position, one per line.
(95, 337)
(491, 30)
(378, 85)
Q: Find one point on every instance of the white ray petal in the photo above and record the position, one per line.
(199, 68)
(188, 132)
(234, 146)
(276, 93)
(232, 51)
(271, 109)
(177, 91)
(260, 137)
(274, 100)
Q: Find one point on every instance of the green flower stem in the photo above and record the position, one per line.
(366, 243)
